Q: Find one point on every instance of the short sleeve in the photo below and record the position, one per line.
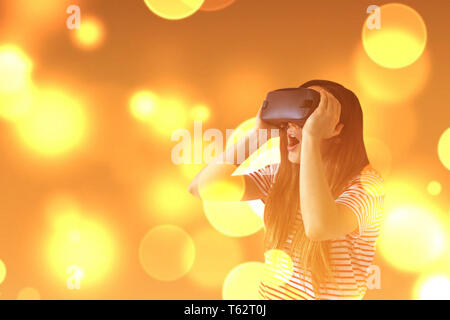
(364, 195)
(264, 178)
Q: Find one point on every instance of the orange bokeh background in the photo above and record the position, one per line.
(72, 131)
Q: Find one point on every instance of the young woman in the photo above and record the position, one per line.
(323, 201)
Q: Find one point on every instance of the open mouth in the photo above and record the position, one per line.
(292, 141)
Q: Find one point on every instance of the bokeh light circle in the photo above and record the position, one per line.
(2, 271)
(412, 238)
(142, 104)
(174, 9)
(91, 33)
(78, 240)
(401, 39)
(444, 148)
(54, 125)
(167, 252)
(222, 215)
(15, 69)
(211, 266)
(434, 188)
(279, 268)
(432, 287)
(28, 293)
(243, 281)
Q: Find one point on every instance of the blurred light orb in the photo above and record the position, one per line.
(78, 241)
(279, 267)
(15, 69)
(91, 33)
(222, 215)
(211, 266)
(390, 85)
(142, 104)
(174, 9)
(214, 5)
(435, 287)
(2, 271)
(434, 188)
(55, 124)
(169, 200)
(14, 106)
(167, 252)
(200, 112)
(401, 39)
(444, 148)
(28, 294)
(221, 190)
(242, 282)
(169, 115)
(412, 238)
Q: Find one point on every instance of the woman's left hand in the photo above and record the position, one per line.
(323, 122)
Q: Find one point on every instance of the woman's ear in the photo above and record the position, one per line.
(338, 129)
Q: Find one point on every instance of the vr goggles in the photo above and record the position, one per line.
(289, 105)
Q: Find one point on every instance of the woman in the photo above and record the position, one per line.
(323, 201)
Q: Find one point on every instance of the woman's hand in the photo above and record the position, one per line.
(323, 123)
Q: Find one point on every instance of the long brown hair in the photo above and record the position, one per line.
(345, 157)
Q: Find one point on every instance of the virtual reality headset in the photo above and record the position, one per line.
(289, 105)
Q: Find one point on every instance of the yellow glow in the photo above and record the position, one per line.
(91, 33)
(55, 124)
(168, 200)
(412, 238)
(390, 85)
(434, 287)
(211, 267)
(434, 188)
(223, 216)
(28, 294)
(190, 170)
(167, 253)
(142, 104)
(221, 190)
(14, 106)
(174, 9)
(76, 240)
(279, 268)
(2, 271)
(200, 112)
(243, 281)
(214, 5)
(401, 39)
(444, 148)
(15, 69)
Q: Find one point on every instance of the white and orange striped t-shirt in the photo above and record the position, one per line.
(350, 256)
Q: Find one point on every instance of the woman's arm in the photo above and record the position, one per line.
(219, 171)
(323, 218)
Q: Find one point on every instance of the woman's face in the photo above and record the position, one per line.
(294, 137)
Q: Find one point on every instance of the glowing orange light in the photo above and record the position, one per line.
(174, 9)
(15, 69)
(91, 33)
(167, 253)
(444, 148)
(243, 281)
(54, 125)
(2, 271)
(401, 39)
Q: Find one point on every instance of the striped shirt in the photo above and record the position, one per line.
(351, 255)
